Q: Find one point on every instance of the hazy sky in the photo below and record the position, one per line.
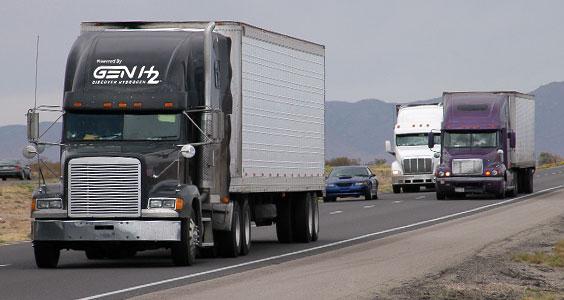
(396, 51)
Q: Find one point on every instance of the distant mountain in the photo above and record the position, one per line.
(355, 130)
(14, 138)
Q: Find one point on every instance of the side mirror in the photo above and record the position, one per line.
(500, 155)
(29, 151)
(389, 148)
(512, 140)
(32, 125)
(188, 151)
(431, 140)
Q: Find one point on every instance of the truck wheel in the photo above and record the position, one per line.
(527, 181)
(284, 220)
(230, 241)
(184, 253)
(303, 218)
(396, 188)
(245, 228)
(315, 208)
(94, 253)
(46, 255)
(501, 195)
(329, 199)
(441, 196)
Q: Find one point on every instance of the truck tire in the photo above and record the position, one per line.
(303, 218)
(284, 220)
(230, 241)
(46, 254)
(184, 253)
(315, 207)
(245, 228)
(441, 196)
(94, 253)
(527, 181)
(396, 189)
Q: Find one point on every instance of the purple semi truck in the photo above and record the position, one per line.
(487, 144)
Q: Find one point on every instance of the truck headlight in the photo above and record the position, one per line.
(170, 203)
(494, 172)
(49, 203)
(441, 173)
(396, 172)
(360, 183)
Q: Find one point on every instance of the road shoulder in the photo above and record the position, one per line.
(373, 269)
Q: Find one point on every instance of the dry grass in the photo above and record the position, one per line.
(15, 223)
(556, 259)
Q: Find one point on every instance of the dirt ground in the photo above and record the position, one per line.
(15, 201)
(493, 272)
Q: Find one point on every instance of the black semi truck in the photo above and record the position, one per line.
(179, 135)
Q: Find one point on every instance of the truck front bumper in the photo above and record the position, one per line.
(419, 179)
(449, 185)
(109, 230)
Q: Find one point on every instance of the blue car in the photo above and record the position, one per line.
(351, 181)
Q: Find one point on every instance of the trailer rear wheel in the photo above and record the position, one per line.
(303, 213)
(46, 254)
(230, 241)
(396, 188)
(527, 181)
(246, 228)
(184, 253)
(315, 207)
(441, 196)
(284, 220)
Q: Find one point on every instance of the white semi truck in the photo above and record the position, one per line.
(415, 163)
(178, 135)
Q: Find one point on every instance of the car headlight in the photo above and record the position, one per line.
(49, 203)
(396, 172)
(361, 183)
(331, 184)
(169, 203)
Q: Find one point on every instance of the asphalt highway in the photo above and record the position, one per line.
(342, 223)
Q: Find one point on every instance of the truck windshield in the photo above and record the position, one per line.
(472, 139)
(126, 127)
(415, 139)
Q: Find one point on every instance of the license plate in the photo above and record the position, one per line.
(459, 189)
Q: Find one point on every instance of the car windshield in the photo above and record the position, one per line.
(415, 139)
(352, 171)
(472, 139)
(128, 127)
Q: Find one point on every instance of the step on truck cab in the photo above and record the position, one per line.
(179, 135)
(488, 144)
(415, 163)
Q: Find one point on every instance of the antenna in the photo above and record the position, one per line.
(36, 60)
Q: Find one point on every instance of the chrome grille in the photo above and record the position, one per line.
(104, 187)
(467, 167)
(417, 165)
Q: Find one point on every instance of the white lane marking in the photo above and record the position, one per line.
(5, 265)
(254, 262)
(399, 201)
(545, 174)
(335, 212)
(368, 206)
(553, 173)
(420, 197)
